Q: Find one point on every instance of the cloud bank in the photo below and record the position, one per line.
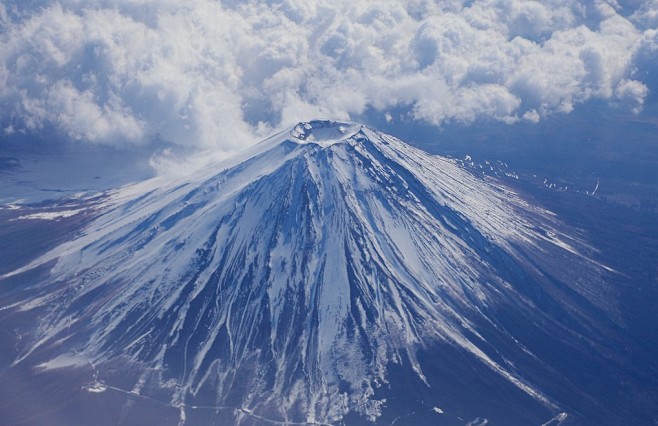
(220, 74)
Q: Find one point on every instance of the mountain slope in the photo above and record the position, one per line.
(309, 278)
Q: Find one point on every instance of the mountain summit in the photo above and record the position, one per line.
(330, 273)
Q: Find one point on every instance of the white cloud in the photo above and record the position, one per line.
(81, 116)
(222, 74)
(646, 15)
(632, 93)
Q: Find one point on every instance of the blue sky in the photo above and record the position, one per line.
(224, 74)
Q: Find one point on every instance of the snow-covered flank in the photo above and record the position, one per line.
(294, 275)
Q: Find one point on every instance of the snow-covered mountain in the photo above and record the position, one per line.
(330, 273)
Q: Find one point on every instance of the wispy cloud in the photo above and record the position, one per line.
(221, 74)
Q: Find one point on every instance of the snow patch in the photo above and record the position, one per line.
(65, 361)
(49, 215)
(95, 388)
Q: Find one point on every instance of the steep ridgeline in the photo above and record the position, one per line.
(330, 273)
